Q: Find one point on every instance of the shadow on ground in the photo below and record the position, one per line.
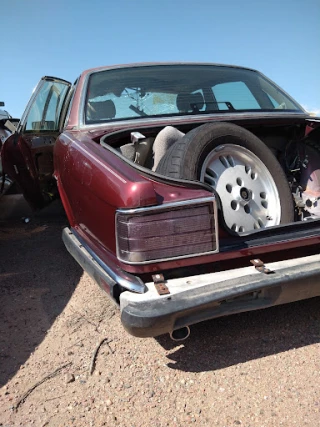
(37, 279)
(228, 341)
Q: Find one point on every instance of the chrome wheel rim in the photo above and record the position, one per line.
(247, 191)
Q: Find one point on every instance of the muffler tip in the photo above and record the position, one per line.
(180, 334)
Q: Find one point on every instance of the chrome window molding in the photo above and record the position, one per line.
(180, 120)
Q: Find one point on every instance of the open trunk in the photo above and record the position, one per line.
(292, 141)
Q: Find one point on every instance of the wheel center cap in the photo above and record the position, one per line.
(245, 194)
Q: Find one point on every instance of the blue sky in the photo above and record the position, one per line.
(61, 38)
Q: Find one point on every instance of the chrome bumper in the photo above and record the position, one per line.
(145, 313)
(198, 298)
(107, 276)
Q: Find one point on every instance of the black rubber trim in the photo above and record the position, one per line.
(280, 233)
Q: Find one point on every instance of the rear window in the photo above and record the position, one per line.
(171, 90)
(237, 94)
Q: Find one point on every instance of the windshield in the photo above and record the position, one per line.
(172, 90)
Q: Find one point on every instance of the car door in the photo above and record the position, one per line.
(27, 155)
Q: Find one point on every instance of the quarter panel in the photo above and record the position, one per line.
(93, 188)
(94, 182)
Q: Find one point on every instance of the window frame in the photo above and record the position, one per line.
(59, 107)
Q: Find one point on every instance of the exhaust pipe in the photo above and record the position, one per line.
(180, 334)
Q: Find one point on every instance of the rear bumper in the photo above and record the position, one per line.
(108, 276)
(198, 298)
(145, 313)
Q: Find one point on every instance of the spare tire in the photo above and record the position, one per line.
(250, 182)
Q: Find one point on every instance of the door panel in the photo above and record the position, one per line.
(18, 165)
(28, 155)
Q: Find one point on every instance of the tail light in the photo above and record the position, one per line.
(169, 231)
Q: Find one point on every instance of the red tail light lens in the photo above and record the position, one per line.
(167, 232)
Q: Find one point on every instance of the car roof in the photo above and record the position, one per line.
(149, 64)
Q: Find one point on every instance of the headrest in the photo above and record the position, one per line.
(101, 110)
(190, 102)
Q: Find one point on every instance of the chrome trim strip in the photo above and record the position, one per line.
(183, 119)
(124, 279)
(164, 207)
(167, 206)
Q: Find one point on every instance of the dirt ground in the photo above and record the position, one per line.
(256, 369)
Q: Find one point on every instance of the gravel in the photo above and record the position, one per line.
(256, 369)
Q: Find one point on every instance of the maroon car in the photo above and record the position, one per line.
(192, 190)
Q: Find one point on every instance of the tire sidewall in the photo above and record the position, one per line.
(191, 151)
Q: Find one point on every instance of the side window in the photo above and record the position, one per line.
(45, 110)
(237, 93)
(274, 102)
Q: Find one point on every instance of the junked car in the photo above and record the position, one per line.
(7, 126)
(192, 190)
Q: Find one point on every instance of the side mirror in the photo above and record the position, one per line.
(1, 104)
